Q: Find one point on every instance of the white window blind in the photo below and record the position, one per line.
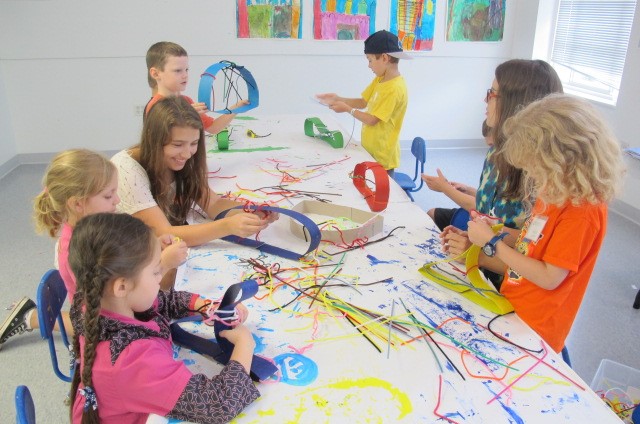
(590, 43)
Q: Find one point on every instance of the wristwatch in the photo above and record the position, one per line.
(489, 249)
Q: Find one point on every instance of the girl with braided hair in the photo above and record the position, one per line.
(121, 322)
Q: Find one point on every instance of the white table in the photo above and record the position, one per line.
(329, 371)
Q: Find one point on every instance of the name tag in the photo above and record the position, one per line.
(535, 228)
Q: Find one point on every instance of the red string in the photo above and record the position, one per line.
(435, 410)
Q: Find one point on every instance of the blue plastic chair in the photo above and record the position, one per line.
(408, 184)
(460, 219)
(25, 410)
(50, 297)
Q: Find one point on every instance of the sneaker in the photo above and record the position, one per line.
(16, 321)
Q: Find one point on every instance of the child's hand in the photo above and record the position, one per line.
(243, 313)
(327, 98)
(239, 104)
(463, 188)
(201, 108)
(268, 216)
(165, 240)
(245, 224)
(240, 336)
(243, 345)
(454, 241)
(174, 255)
(436, 183)
(480, 231)
(340, 107)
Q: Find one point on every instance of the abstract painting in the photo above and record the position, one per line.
(413, 21)
(475, 20)
(269, 18)
(343, 19)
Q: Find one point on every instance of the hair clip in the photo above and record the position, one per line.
(91, 401)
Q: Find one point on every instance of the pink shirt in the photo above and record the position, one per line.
(63, 261)
(144, 379)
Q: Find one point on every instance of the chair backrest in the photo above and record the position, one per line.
(419, 150)
(50, 297)
(25, 410)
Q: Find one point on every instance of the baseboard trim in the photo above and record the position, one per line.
(472, 143)
(626, 210)
(9, 166)
(35, 159)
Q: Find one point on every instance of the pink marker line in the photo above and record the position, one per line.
(538, 361)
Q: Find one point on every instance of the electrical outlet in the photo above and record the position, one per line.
(138, 110)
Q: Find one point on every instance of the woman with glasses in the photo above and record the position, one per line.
(517, 83)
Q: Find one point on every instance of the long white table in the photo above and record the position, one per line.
(329, 370)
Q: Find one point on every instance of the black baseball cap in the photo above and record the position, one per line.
(384, 42)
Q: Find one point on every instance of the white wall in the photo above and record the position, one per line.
(74, 70)
(7, 141)
(626, 117)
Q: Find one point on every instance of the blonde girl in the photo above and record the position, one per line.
(571, 163)
(121, 322)
(76, 183)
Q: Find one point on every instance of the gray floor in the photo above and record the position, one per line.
(604, 328)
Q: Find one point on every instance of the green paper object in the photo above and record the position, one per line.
(334, 138)
(223, 139)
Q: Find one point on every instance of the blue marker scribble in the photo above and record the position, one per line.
(188, 362)
(375, 261)
(515, 418)
(176, 351)
(454, 307)
(561, 402)
(260, 346)
(201, 255)
(199, 268)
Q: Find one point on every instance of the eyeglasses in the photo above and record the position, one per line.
(491, 94)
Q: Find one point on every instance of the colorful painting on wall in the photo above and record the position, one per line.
(413, 21)
(475, 20)
(343, 19)
(269, 18)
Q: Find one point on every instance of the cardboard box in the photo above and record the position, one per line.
(365, 223)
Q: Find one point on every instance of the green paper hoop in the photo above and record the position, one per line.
(334, 138)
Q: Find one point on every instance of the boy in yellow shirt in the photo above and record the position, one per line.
(385, 100)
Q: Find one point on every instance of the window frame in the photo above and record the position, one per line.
(573, 78)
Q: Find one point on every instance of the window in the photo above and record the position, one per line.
(590, 46)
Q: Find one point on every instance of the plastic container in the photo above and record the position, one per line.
(619, 386)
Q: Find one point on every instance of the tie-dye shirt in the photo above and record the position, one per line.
(489, 198)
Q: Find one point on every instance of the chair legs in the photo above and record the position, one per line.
(410, 196)
(565, 356)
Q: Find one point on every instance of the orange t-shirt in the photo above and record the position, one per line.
(571, 239)
(207, 121)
